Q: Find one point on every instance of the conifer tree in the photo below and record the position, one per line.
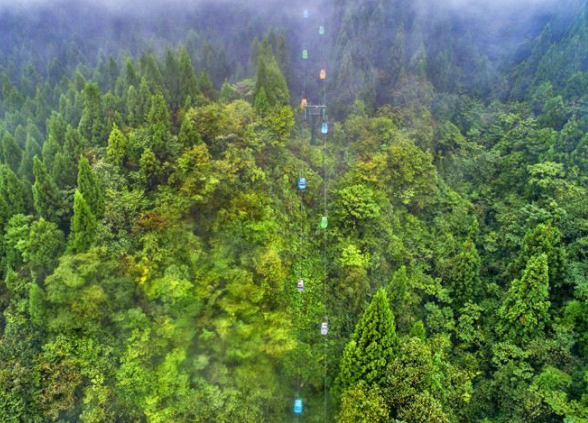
(188, 80)
(270, 77)
(544, 238)
(116, 149)
(131, 77)
(92, 125)
(370, 349)
(465, 274)
(44, 246)
(525, 310)
(12, 191)
(159, 113)
(188, 135)
(172, 80)
(206, 85)
(90, 187)
(11, 152)
(83, 225)
(363, 404)
(261, 102)
(49, 151)
(32, 149)
(46, 196)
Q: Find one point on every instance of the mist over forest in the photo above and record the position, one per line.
(350, 211)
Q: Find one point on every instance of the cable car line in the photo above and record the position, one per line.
(311, 112)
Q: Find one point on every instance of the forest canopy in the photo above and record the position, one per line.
(352, 211)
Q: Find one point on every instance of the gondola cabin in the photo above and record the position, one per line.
(324, 222)
(323, 74)
(321, 30)
(303, 104)
(305, 54)
(324, 328)
(300, 285)
(298, 406)
(325, 128)
(301, 184)
(306, 13)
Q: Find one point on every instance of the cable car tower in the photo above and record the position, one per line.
(312, 113)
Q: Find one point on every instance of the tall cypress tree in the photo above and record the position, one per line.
(46, 196)
(188, 135)
(92, 122)
(83, 225)
(525, 310)
(370, 349)
(12, 190)
(465, 274)
(117, 145)
(270, 77)
(11, 152)
(188, 80)
(90, 187)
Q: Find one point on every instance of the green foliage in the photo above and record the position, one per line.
(370, 349)
(45, 245)
(422, 386)
(270, 78)
(12, 194)
(117, 146)
(46, 196)
(363, 404)
(92, 124)
(170, 293)
(83, 225)
(90, 188)
(525, 310)
(465, 272)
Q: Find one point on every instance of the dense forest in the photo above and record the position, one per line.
(154, 234)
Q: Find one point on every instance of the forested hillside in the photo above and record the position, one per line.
(153, 233)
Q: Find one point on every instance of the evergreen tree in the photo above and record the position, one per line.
(188, 80)
(543, 239)
(370, 349)
(131, 77)
(270, 77)
(363, 404)
(117, 145)
(525, 310)
(46, 196)
(172, 80)
(83, 226)
(206, 85)
(188, 135)
(158, 117)
(90, 188)
(12, 191)
(465, 274)
(261, 103)
(50, 150)
(92, 123)
(11, 152)
(44, 247)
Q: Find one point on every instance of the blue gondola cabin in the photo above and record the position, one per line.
(301, 184)
(298, 406)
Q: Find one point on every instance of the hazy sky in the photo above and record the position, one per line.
(466, 4)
